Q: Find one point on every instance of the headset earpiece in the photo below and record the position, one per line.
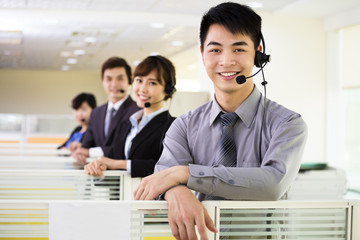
(169, 87)
(261, 58)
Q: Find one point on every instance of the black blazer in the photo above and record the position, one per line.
(95, 136)
(77, 129)
(146, 147)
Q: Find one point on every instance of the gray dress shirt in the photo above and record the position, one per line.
(193, 139)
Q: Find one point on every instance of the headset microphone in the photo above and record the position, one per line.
(261, 59)
(148, 104)
(121, 90)
(242, 79)
(83, 120)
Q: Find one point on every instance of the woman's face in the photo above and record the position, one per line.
(148, 89)
(82, 114)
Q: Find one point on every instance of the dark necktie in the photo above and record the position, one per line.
(108, 120)
(227, 150)
(227, 153)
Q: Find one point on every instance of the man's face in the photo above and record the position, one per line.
(115, 80)
(225, 56)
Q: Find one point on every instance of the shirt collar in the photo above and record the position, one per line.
(144, 119)
(246, 111)
(116, 105)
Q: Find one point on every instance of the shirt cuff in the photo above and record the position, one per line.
(128, 166)
(96, 152)
(201, 178)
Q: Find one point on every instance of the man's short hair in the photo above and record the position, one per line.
(236, 18)
(114, 62)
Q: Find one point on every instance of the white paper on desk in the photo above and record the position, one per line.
(89, 220)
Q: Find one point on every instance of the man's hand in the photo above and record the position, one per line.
(152, 186)
(80, 155)
(184, 212)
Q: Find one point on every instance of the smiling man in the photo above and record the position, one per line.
(240, 145)
(116, 80)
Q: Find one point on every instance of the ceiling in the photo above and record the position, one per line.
(44, 34)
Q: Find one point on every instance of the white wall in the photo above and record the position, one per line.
(45, 92)
(297, 74)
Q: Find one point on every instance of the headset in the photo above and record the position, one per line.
(261, 59)
(169, 87)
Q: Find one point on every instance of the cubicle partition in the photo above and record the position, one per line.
(48, 184)
(39, 162)
(25, 150)
(148, 220)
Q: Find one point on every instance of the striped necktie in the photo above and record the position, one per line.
(108, 119)
(227, 152)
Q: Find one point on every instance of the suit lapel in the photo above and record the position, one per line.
(124, 130)
(102, 121)
(119, 115)
(148, 130)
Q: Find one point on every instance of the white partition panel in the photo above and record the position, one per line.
(65, 184)
(33, 152)
(38, 162)
(21, 145)
(355, 222)
(283, 220)
(235, 220)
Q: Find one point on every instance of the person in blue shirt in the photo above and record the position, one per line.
(137, 145)
(83, 104)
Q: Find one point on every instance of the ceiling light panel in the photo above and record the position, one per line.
(123, 5)
(13, 4)
(58, 4)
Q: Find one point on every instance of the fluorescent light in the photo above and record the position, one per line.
(79, 52)
(154, 53)
(65, 68)
(65, 54)
(90, 39)
(157, 25)
(177, 43)
(255, 4)
(75, 43)
(71, 61)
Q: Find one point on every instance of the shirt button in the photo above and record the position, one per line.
(199, 181)
(231, 181)
(201, 173)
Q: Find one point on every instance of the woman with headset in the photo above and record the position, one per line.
(137, 145)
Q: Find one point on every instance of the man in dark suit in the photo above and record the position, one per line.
(116, 80)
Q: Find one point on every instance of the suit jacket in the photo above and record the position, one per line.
(77, 129)
(146, 147)
(95, 136)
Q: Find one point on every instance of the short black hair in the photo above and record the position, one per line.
(114, 62)
(236, 18)
(83, 97)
